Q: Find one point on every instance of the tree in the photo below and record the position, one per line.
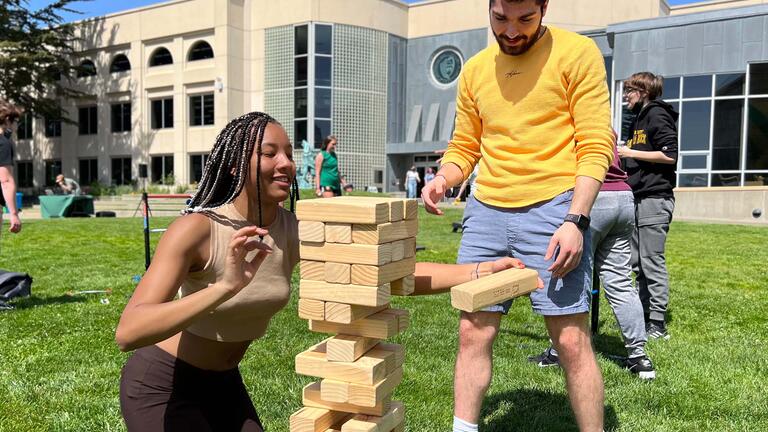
(36, 48)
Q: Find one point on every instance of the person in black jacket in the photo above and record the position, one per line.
(650, 159)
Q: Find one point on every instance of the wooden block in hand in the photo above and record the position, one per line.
(343, 313)
(372, 275)
(376, 255)
(310, 419)
(343, 210)
(312, 270)
(387, 422)
(347, 348)
(380, 325)
(361, 394)
(368, 369)
(338, 233)
(344, 293)
(311, 309)
(496, 288)
(311, 398)
(338, 273)
(312, 231)
(403, 286)
(384, 233)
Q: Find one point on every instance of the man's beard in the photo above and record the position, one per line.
(522, 49)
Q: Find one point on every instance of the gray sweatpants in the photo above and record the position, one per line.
(652, 219)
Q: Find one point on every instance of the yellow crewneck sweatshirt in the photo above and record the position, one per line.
(535, 121)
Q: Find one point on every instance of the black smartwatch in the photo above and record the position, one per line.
(581, 221)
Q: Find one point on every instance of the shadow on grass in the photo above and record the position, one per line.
(529, 410)
(30, 302)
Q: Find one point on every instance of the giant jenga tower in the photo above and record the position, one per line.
(356, 252)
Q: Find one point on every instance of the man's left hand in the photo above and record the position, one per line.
(570, 241)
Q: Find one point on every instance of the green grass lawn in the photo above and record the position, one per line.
(60, 367)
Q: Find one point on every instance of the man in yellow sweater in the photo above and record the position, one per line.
(533, 111)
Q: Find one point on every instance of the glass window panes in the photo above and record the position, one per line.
(726, 138)
(162, 113)
(87, 120)
(726, 179)
(162, 169)
(300, 75)
(671, 88)
(626, 122)
(24, 128)
(758, 78)
(201, 110)
(697, 86)
(200, 51)
(121, 117)
(300, 103)
(694, 162)
(322, 130)
(730, 84)
(757, 135)
(756, 179)
(692, 180)
(608, 61)
(86, 69)
(323, 71)
(120, 64)
(52, 169)
(299, 133)
(24, 175)
(88, 171)
(196, 165)
(323, 102)
(695, 126)
(301, 36)
(52, 127)
(121, 171)
(323, 39)
(160, 57)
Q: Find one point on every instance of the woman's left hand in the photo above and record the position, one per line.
(507, 263)
(624, 152)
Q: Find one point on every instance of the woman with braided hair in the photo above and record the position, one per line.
(230, 259)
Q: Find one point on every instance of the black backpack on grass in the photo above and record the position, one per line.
(13, 285)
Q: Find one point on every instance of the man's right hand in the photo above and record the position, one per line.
(15, 224)
(432, 193)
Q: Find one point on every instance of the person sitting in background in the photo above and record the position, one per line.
(68, 185)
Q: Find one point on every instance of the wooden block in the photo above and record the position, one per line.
(347, 348)
(342, 210)
(384, 233)
(403, 286)
(410, 247)
(411, 209)
(315, 419)
(344, 293)
(387, 422)
(346, 253)
(380, 325)
(496, 288)
(361, 394)
(312, 270)
(372, 275)
(403, 318)
(311, 309)
(398, 250)
(311, 398)
(343, 313)
(338, 233)
(368, 369)
(312, 231)
(396, 206)
(338, 273)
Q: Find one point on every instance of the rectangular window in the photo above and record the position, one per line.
(162, 113)
(671, 88)
(323, 68)
(300, 72)
(758, 78)
(752, 179)
(730, 84)
(301, 37)
(757, 135)
(24, 130)
(24, 174)
(726, 138)
(692, 180)
(300, 103)
(724, 180)
(196, 166)
(162, 169)
(697, 86)
(88, 120)
(121, 171)
(626, 122)
(52, 127)
(201, 110)
(322, 130)
(695, 124)
(89, 172)
(323, 102)
(323, 39)
(694, 162)
(299, 133)
(52, 169)
(121, 117)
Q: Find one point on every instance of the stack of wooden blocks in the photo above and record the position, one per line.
(356, 252)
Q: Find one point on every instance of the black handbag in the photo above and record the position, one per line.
(13, 285)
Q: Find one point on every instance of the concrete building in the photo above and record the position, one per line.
(381, 76)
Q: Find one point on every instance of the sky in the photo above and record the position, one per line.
(103, 7)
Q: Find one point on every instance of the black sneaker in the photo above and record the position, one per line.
(641, 366)
(655, 331)
(545, 359)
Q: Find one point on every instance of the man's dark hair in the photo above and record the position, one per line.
(538, 2)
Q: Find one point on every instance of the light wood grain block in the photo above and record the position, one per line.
(344, 293)
(311, 398)
(342, 210)
(397, 209)
(361, 394)
(411, 209)
(347, 348)
(385, 423)
(368, 369)
(403, 318)
(372, 275)
(338, 233)
(312, 231)
(410, 247)
(384, 233)
(496, 288)
(403, 286)
(310, 419)
(376, 255)
(398, 250)
(343, 313)
(311, 309)
(380, 325)
(339, 273)
(312, 270)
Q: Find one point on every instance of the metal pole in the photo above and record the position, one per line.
(145, 213)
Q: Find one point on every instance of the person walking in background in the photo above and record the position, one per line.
(328, 179)
(429, 175)
(650, 160)
(412, 180)
(68, 186)
(9, 120)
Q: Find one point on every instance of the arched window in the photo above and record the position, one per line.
(86, 69)
(120, 64)
(200, 51)
(160, 57)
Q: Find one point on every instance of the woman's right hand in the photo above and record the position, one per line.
(238, 271)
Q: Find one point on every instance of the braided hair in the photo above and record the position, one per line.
(228, 165)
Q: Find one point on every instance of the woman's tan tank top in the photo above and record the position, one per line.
(246, 315)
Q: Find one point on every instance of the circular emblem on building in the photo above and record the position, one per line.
(446, 66)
